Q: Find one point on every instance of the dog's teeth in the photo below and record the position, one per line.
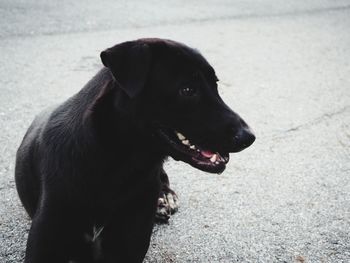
(216, 162)
(192, 147)
(180, 136)
(213, 158)
(186, 142)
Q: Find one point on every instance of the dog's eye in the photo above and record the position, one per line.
(187, 91)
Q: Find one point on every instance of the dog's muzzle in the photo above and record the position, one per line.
(182, 148)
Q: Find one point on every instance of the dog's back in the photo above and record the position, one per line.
(27, 174)
(54, 125)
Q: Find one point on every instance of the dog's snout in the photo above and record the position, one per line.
(240, 138)
(244, 138)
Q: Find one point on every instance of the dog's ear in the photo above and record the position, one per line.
(130, 64)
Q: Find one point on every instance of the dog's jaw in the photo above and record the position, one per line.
(181, 148)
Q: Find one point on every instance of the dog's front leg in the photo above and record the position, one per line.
(126, 238)
(51, 236)
(168, 202)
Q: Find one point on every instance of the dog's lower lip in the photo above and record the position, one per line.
(209, 166)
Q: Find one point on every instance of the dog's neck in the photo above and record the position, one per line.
(112, 128)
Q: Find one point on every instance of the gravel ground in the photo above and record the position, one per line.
(284, 68)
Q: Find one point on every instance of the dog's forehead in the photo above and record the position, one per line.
(180, 55)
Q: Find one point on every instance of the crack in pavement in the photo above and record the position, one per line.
(318, 120)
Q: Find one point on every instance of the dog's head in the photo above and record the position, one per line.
(172, 90)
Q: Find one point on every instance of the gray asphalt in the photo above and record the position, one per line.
(285, 67)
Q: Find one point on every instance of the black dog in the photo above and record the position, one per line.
(89, 172)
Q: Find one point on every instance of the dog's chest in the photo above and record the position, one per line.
(94, 239)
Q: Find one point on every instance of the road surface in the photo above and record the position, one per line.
(283, 66)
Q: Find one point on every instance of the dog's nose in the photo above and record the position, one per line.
(244, 138)
(241, 138)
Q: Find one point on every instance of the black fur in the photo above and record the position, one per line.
(96, 160)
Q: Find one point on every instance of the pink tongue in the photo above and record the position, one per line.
(207, 154)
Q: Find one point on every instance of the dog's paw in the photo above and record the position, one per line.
(168, 204)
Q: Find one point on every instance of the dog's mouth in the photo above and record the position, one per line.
(181, 148)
